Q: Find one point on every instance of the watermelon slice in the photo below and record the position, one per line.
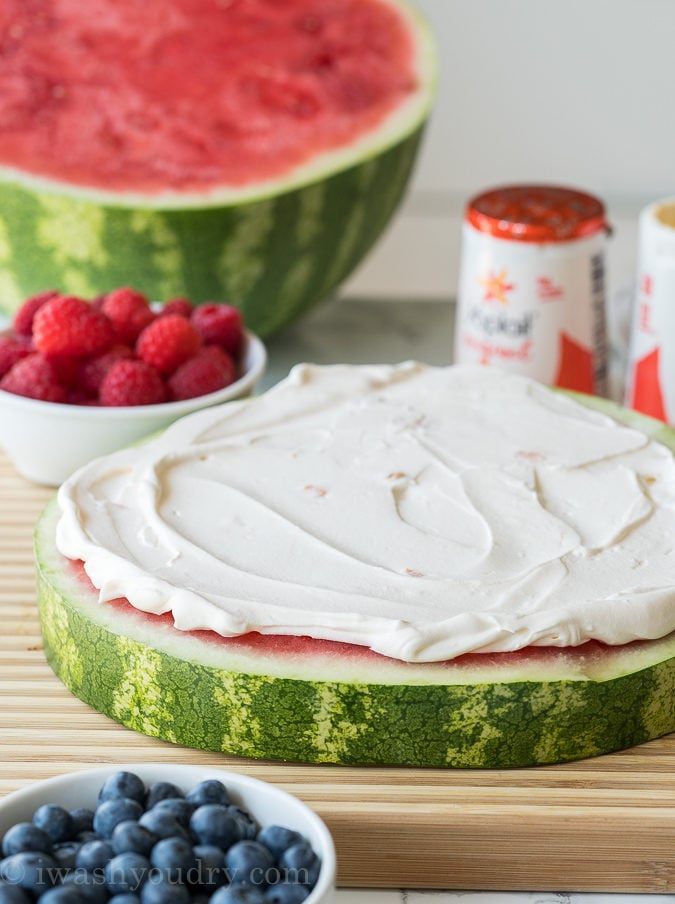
(247, 151)
(320, 701)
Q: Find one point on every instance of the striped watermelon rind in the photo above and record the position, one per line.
(275, 249)
(339, 704)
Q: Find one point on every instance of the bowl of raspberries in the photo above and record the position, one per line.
(162, 834)
(81, 378)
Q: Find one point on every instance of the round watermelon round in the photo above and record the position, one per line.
(310, 700)
(247, 152)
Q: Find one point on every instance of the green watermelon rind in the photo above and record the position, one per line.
(274, 258)
(352, 710)
(274, 250)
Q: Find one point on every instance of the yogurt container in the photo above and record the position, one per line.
(650, 384)
(531, 296)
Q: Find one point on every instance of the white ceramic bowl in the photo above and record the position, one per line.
(268, 804)
(47, 441)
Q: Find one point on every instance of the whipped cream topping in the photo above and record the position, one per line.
(423, 512)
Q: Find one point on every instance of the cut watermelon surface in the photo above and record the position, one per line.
(319, 701)
(196, 95)
(249, 152)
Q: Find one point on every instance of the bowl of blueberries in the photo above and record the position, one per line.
(162, 834)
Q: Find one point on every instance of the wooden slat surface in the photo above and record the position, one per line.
(605, 824)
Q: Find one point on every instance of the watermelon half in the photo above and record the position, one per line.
(318, 701)
(247, 151)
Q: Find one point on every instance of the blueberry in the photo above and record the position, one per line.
(179, 807)
(83, 820)
(94, 855)
(110, 812)
(214, 824)
(12, 894)
(175, 859)
(62, 894)
(162, 824)
(24, 836)
(161, 791)
(300, 864)
(124, 899)
(131, 836)
(91, 887)
(250, 863)
(121, 785)
(31, 870)
(55, 821)
(286, 893)
(159, 890)
(210, 866)
(210, 791)
(84, 837)
(248, 825)
(66, 853)
(126, 873)
(238, 894)
(278, 838)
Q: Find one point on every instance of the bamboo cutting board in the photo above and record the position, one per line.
(605, 824)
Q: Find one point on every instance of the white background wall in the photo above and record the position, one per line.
(580, 92)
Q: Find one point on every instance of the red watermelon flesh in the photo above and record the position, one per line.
(292, 647)
(194, 93)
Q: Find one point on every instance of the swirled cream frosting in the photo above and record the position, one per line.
(422, 512)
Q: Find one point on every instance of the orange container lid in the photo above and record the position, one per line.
(536, 213)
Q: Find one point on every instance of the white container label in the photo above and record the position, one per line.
(534, 309)
(650, 385)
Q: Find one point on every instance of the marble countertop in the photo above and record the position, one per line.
(403, 896)
(356, 331)
(367, 332)
(364, 332)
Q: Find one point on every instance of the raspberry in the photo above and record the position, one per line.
(116, 351)
(198, 376)
(11, 351)
(23, 319)
(35, 378)
(177, 306)
(66, 369)
(132, 382)
(221, 324)
(128, 311)
(167, 342)
(66, 325)
(221, 357)
(91, 372)
(78, 396)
